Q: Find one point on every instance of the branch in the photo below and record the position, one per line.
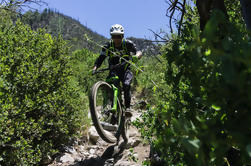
(175, 5)
(157, 35)
(182, 16)
(172, 10)
(172, 7)
(154, 54)
(170, 21)
(18, 5)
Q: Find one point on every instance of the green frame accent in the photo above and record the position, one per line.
(115, 92)
(115, 97)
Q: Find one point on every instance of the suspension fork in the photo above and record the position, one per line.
(115, 92)
(115, 97)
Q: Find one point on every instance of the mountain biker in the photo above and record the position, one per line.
(119, 51)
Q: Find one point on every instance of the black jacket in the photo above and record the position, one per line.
(127, 48)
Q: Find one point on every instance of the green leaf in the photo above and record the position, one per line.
(203, 40)
(195, 143)
(154, 89)
(217, 108)
(208, 52)
(223, 116)
(192, 146)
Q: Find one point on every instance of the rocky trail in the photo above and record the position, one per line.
(93, 151)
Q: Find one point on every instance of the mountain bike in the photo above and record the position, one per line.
(107, 110)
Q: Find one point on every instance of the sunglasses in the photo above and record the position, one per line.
(116, 37)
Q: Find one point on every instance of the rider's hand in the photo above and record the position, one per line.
(139, 54)
(94, 70)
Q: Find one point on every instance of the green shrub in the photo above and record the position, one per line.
(40, 109)
(206, 115)
(82, 62)
(151, 80)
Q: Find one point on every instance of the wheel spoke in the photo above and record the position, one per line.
(105, 120)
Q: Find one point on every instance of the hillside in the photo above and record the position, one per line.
(72, 30)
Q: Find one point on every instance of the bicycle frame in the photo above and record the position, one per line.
(115, 92)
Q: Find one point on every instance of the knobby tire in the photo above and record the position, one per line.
(94, 112)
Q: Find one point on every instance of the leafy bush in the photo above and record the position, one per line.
(205, 118)
(82, 62)
(151, 80)
(40, 109)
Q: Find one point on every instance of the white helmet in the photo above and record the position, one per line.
(117, 30)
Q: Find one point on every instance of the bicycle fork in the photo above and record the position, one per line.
(115, 98)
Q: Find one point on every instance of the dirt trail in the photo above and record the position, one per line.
(93, 151)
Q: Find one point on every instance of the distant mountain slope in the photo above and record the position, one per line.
(72, 30)
(146, 46)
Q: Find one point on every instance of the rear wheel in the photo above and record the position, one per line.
(104, 119)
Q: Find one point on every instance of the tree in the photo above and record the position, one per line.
(202, 116)
(205, 8)
(246, 8)
(19, 5)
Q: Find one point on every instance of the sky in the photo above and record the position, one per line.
(136, 16)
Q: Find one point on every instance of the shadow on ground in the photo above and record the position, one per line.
(111, 155)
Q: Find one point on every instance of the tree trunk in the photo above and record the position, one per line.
(203, 7)
(246, 12)
(206, 6)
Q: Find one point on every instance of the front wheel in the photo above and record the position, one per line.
(104, 119)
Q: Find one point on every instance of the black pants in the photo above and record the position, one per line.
(126, 78)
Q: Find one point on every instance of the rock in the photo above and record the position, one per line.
(66, 158)
(133, 133)
(93, 135)
(81, 148)
(136, 156)
(102, 143)
(92, 156)
(78, 159)
(135, 116)
(92, 147)
(71, 150)
(85, 153)
(133, 143)
(92, 151)
(46, 160)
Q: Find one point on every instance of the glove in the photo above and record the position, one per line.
(93, 72)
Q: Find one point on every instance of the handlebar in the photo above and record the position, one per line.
(134, 59)
(99, 71)
(109, 68)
